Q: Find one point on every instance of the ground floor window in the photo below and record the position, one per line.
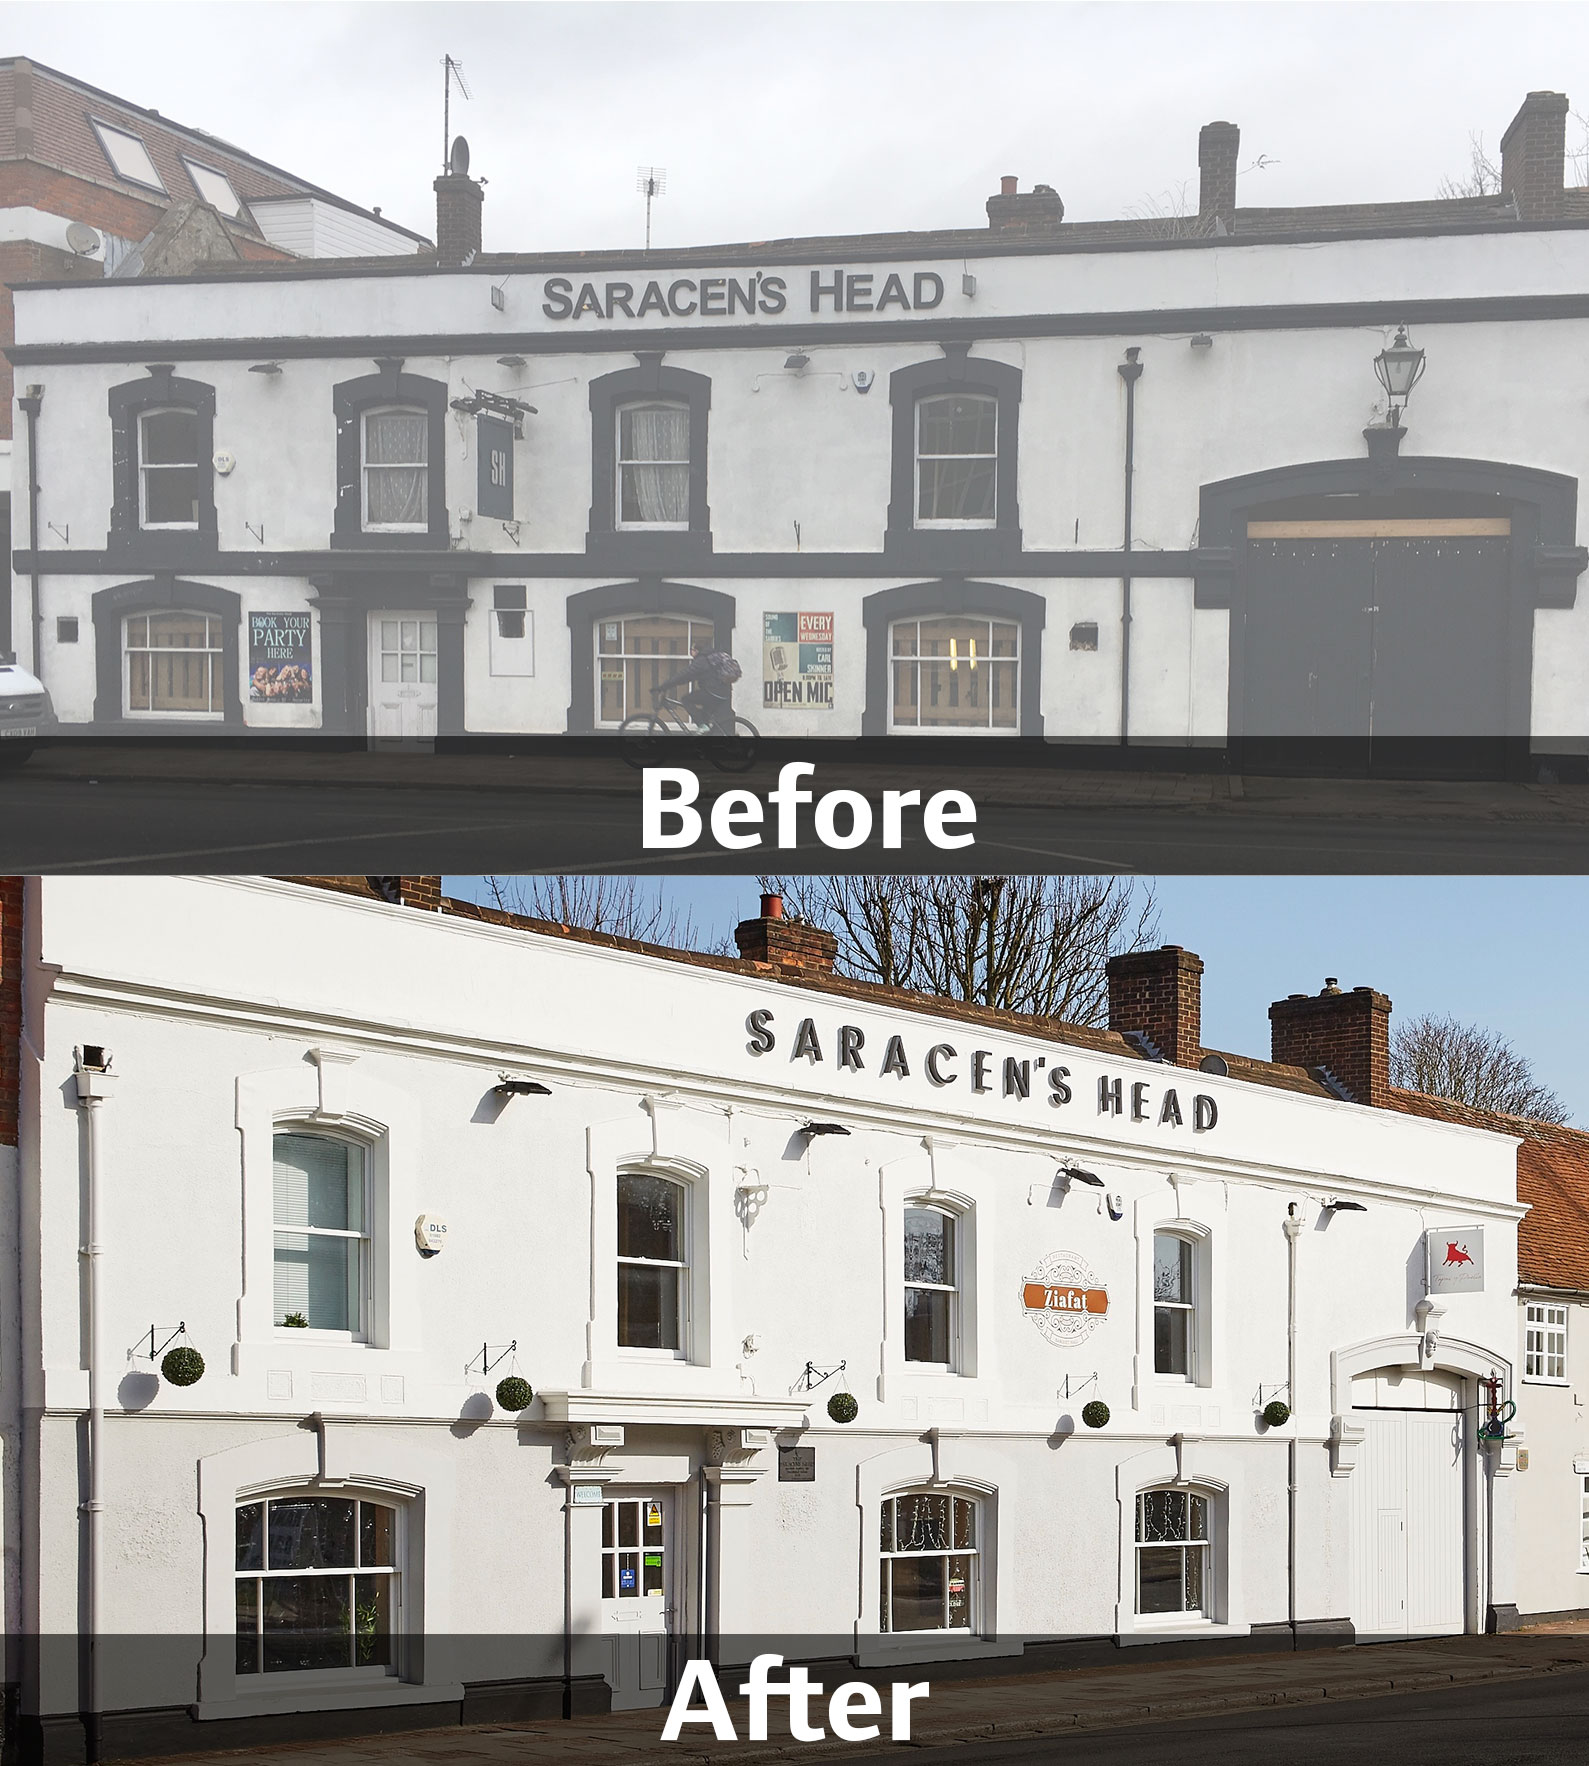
(955, 673)
(1172, 1552)
(1583, 1547)
(636, 653)
(317, 1584)
(928, 1562)
(174, 664)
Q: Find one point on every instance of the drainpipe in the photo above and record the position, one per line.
(1130, 371)
(1292, 1227)
(702, 1522)
(568, 1600)
(90, 1068)
(30, 404)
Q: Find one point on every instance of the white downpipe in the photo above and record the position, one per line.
(1292, 1227)
(91, 1093)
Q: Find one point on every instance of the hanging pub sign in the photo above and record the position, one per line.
(797, 661)
(1064, 1299)
(1455, 1260)
(494, 445)
(280, 665)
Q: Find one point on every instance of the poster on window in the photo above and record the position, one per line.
(280, 669)
(797, 661)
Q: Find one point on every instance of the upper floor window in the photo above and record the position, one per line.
(322, 1234)
(174, 664)
(927, 1557)
(653, 466)
(128, 156)
(215, 188)
(955, 673)
(318, 1585)
(396, 470)
(652, 1262)
(1174, 1306)
(168, 469)
(932, 1292)
(636, 653)
(957, 453)
(1545, 1342)
(1172, 1552)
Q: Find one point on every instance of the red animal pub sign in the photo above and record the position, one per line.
(1455, 1259)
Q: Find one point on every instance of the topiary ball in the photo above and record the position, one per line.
(183, 1366)
(1277, 1413)
(843, 1408)
(513, 1393)
(1095, 1414)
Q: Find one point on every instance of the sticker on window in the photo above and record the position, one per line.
(653, 1514)
(626, 1578)
(653, 1560)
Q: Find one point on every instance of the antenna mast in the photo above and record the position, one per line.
(452, 70)
(651, 181)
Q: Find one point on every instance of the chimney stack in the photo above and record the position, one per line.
(459, 199)
(778, 943)
(1346, 1033)
(1036, 215)
(1534, 156)
(1158, 995)
(1218, 145)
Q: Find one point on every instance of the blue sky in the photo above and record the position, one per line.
(1508, 953)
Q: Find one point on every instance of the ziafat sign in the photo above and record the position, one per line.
(724, 297)
(959, 1065)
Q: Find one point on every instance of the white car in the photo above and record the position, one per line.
(25, 710)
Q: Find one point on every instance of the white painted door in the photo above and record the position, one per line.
(403, 675)
(636, 1594)
(1409, 1549)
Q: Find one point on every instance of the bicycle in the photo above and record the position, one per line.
(729, 742)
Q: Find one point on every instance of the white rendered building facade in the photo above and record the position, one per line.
(624, 1175)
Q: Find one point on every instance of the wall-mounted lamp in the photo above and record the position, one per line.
(796, 362)
(1339, 1205)
(511, 361)
(812, 1129)
(1202, 341)
(509, 1087)
(1399, 368)
(1075, 1174)
(272, 369)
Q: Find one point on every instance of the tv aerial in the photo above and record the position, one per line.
(452, 70)
(651, 182)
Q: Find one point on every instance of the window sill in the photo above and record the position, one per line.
(1543, 1380)
(283, 1701)
(932, 1646)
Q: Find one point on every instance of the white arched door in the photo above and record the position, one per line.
(1409, 1510)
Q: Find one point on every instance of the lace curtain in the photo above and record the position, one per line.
(654, 464)
(395, 469)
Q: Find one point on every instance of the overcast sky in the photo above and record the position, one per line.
(781, 119)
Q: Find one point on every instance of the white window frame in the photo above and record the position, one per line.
(981, 1511)
(361, 1331)
(108, 132)
(194, 167)
(1583, 1524)
(619, 462)
(952, 1287)
(365, 468)
(351, 1675)
(1186, 1616)
(1194, 1308)
(622, 657)
(145, 467)
(216, 654)
(684, 1273)
(1544, 1341)
(938, 523)
(970, 660)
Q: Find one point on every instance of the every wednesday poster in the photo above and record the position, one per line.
(797, 661)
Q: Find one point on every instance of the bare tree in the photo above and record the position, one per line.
(1025, 944)
(627, 907)
(1447, 1059)
(1482, 178)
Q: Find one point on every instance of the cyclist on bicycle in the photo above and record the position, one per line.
(711, 674)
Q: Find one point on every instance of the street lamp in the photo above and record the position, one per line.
(1400, 368)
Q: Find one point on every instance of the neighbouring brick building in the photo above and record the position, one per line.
(88, 179)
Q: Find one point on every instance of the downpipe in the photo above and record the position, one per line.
(1292, 1227)
(1130, 371)
(30, 403)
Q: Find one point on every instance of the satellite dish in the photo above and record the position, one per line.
(82, 239)
(1215, 1064)
(458, 159)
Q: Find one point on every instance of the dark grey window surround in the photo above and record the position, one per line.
(993, 548)
(154, 548)
(953, 595)
(349, 401)
(1546, 558)
(156, 595)
(649, 594)
(644, 552)
(345, 600)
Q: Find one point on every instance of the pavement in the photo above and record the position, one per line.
(978, 1714)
